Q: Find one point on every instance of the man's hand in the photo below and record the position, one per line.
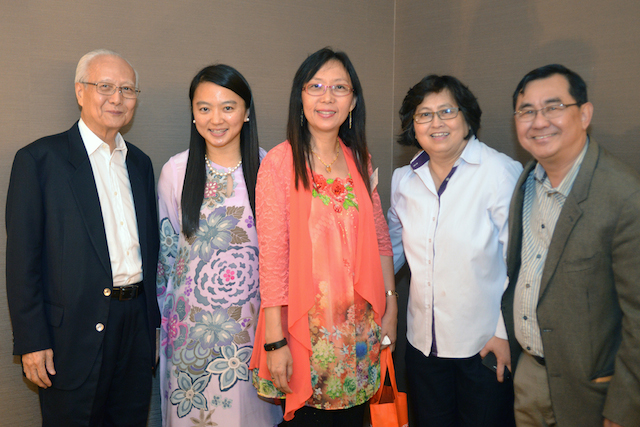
(500, 348)
(36, 365)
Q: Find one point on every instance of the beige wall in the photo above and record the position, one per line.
(392, 43)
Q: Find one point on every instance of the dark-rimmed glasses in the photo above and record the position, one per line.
(317, 89)
(104, 88)
(552, 111)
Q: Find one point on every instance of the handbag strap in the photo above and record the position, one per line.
(386, 366)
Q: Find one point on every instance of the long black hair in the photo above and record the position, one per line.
(298, 133)
(196, 174)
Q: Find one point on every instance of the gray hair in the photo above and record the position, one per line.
(85, 61)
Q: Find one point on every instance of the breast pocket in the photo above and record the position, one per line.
(582, 264)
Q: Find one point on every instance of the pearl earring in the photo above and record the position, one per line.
(194, 121)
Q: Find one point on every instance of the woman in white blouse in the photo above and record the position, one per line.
(448, 220)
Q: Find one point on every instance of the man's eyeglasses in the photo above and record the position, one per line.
(552, 111)
(317, 89)
(104, 88)
(427, 116)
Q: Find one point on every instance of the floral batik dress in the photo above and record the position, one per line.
(345, 338)
(209, 299)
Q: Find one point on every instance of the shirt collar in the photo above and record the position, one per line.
(470, 154)
(92, 141)
(565, 186)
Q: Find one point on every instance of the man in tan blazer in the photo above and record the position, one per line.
(572, 307)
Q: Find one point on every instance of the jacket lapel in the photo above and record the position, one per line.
(515, 226)
(570, 214)
(84, 190)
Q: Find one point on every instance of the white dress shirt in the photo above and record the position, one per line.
(116, 202)
(456, 246)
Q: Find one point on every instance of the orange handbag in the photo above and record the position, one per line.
(388, 406)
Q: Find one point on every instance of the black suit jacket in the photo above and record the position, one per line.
(57, 257)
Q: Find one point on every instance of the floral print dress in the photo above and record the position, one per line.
(209, 299)
(345, 339)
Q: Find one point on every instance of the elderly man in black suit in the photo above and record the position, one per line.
(82, 246)
(572, 307)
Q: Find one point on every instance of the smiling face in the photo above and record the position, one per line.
(105, 115)
(443, 140)
(220, 114)
(555, 143)
(326, 113)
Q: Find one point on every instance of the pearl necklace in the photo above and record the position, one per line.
(216, 172)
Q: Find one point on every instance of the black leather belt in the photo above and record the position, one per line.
(126, 293)
(539, 359)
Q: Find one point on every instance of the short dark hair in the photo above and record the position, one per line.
(352, 134)
(196, 174)
(577, 86)
(463, 97)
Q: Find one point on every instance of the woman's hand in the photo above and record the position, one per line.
(390, 317)
(500, 348)
(390, 321)
(280, 364)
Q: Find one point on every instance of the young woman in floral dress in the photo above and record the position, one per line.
(208, 265)
(326, 272)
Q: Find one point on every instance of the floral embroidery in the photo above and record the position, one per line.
(180, 268)
(168, 250)
(232, 366)
(250, 221)
(189, 394)
(173, 329)
(214, 329)
(215, 190)
(168, 239)
(217, 231)
(338, 192)
(229, 275)
(193, 357)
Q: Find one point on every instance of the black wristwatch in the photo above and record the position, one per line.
(275, 345)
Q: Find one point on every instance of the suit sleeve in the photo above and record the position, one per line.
(623, 398)
(25, 240)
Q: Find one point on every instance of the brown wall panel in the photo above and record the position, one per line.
(489, 45)
(168, 42)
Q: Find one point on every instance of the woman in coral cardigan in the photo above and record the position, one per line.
(326, 273)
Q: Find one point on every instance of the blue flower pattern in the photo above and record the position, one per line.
(220, 312)
(232, 366)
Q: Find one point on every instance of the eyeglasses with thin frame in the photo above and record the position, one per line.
(444, 114)
(104, 88)
(318, 89)
(552, 111)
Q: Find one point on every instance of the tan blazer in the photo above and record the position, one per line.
(589, 304)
